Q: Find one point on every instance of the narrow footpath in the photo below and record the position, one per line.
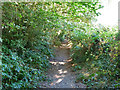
(60, 74)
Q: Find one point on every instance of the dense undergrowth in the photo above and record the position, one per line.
(26, 44)
(98, 54)
(31, 29)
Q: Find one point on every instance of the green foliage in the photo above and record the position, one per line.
(89, 43)
(26, 44)
(24, 71)
(76, 67)
(30, 29)
(97, 48)
(103, 73)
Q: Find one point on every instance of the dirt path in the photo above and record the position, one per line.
(60, 73)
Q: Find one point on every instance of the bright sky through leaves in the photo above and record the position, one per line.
(109, 14)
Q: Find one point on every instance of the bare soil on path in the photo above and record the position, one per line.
(60, 74)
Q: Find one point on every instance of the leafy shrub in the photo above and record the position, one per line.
(20, 72)
(26, 44)
(99, 51)
(91, 44)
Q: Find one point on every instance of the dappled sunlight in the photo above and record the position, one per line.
(74, 64)
(61, 71)
(59, 76)
(59, 80)
(68, 60)
(55, 63)
(86, 74)
(60, 62)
